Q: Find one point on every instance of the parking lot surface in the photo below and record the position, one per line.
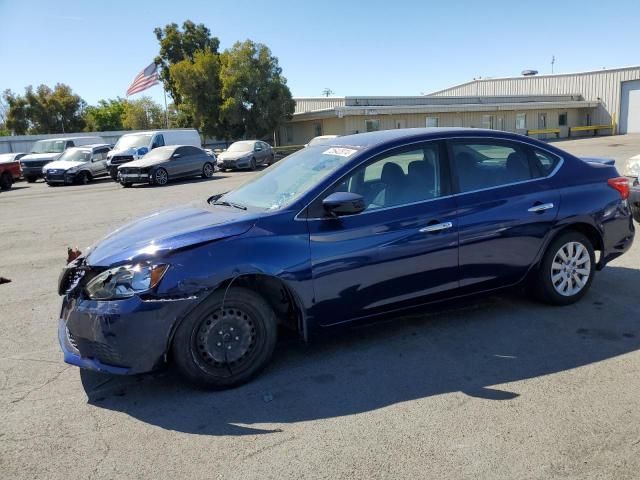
(498, 388)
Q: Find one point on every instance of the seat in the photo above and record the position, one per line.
(517, 168)
(394, 181)
(421, 180)
(469, 175)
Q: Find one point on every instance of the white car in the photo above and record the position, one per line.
(633, 170)
(78, 165)
(321, 139)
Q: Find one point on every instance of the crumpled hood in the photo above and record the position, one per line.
(39, 157)
(62, 165)
(160, 233)
(233, 155)
(144, 162)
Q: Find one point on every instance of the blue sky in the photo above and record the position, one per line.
(353, 47)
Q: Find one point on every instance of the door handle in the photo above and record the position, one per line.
(540, 208)
(436, 227)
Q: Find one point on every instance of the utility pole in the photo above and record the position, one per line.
(553, 61)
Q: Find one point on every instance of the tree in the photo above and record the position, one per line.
(197, 84)
(177, 45)
(44, 110)
(16, 116)
(143, 114)
(255, 96)
(108, 115)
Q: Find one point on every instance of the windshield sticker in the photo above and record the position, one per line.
(340, 151)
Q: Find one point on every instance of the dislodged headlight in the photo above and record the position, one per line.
(125, 281)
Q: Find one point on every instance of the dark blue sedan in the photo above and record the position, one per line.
(366, 226)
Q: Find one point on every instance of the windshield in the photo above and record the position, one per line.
(133, 141)
(73, 155)
(241, 147)
(287, 180)
(48, 146)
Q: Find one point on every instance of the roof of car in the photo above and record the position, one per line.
(370, 139)
(91, 146)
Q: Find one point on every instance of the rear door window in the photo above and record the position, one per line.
(482, 164)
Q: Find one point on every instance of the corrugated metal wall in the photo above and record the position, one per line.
(317, 103)
(604, 85)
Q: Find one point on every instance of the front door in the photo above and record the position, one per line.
(506, 207)
(400, 251)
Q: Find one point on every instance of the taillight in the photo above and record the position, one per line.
(621, 184)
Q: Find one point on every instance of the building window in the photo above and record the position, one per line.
(521, 121)
(489, 121)
(288, 133)
(372, 125)
(431, 122)
(317, 129)
(562, 119)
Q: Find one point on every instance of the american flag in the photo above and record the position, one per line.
(147, 78)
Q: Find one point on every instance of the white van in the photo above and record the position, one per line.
(132, 146)
(45, 151)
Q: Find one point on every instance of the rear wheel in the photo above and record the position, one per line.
(227, 340)
(160, 177)
(6, 180)
(207, 170)
(567, 269)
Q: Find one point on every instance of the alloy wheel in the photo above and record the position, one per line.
(570, 269)
(208, 170)
(161, 177)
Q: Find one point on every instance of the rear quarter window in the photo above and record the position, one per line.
(544, 163)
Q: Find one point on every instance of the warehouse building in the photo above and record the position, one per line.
(545, 106)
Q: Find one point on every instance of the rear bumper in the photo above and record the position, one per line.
(618, 233)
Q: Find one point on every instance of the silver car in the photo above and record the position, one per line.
(246, 154)
(167, 163)
(77, 165)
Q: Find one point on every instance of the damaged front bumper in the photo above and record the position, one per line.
(126, 336)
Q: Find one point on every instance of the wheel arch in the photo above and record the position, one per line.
(587, 229)
(280, 296)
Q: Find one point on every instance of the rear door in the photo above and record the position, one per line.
(99, 162)
(194, 159)
(506, 207)
(401, 250)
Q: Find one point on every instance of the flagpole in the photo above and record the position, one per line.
(166, 117)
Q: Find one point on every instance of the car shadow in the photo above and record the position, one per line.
(14, 187)
(180, 181)
(473, 348)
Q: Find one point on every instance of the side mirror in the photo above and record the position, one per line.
(176, 155)
(343, 203)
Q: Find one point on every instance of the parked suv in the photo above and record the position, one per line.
(9, 169)
(78, 165)
(45, 151)
(133, 146)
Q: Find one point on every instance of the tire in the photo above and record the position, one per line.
(222, 169)
(160, 177)
(204, 361)
(270, 160)
(113, 173)
(252, 164)
(208, 170)
(126, 184)
(6, 180)
(84, 178)
(563, 281)
(30, 178)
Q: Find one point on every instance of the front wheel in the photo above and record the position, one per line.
(207, 170)
(30, 178)
(84, 178)
(160, 177)
(6, 180)
(252, 164)
(227, 340)
(567, 269)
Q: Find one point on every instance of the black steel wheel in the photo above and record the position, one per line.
(227, 340)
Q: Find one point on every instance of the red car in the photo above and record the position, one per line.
(9, 169)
